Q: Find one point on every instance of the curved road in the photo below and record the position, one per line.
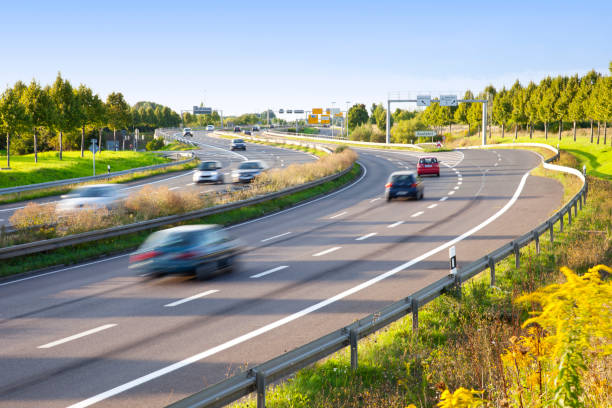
(209, 149)
(98, 334)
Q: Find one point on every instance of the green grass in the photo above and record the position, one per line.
(51, 168)
(92, 250)
(46, 192)
(461, 337)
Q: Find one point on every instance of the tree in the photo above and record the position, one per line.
(89, 104)
(380, 117)
(563, 96)
(502, 109)
(588, 84)
(532, 101)
(40, 110)
(12, 118)
(66, 107)
(546, 106)
(405, 129)
(474, 114)
(602, 104)
(518, 101)
(575, 110)
(570, 95)
(357, 115)
(117, 113)
(462, 110)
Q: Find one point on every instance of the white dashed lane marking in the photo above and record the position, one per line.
(417, 214)
(327, 251)
(395, 224)
(371, 234)
(269, 271)
(432, 206)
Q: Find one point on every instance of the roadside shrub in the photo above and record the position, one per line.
(155, 144)
(340, 148)
(149, 202)
(34, 215)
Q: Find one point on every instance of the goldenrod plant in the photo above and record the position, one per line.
(556, 363)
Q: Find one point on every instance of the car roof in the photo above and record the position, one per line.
(403, 173)
(191, 228)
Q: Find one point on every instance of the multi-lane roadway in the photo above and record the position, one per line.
(99, 334)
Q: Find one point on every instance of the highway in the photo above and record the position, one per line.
(99, 334)
(209, 149)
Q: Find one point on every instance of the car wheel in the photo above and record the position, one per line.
(421, 196)
(438, 174)
(388, 198)
(202, 272)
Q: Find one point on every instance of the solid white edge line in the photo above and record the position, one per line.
(366, 236)
(275, 236)
(271, 326)
(416, 214)
(365, 171)
(375, 199)
(337, 215)
(76, 336)
(327, 251)
(18, 208)
(269, 271)
(395, 224)
(173, 188)
(190, 298)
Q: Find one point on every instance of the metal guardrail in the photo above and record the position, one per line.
(39, 186)
(256, 378)
(55, 243)
(355, 142)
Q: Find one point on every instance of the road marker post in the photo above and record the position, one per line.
(453, 260)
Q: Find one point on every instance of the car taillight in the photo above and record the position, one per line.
(144, 256)
(187, 255)
(388, 185)
(413, 185)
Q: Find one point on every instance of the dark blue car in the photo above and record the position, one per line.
(404, 184)
(202, 250)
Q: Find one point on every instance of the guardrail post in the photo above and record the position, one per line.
(353, 338)
(551, 227)
(536, 238)
(492, 268)
(576, 208)
(561, 221)
(260, 382)
(415, 315)
(569, 215)
(517, 256)
(580, 201)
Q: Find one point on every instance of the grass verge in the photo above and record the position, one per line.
(46, 192)
(92, 250)
(50, 168)
(461, 338)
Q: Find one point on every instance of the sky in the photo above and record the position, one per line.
(247, 56)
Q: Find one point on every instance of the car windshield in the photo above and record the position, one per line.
(187, 129)
(167, 238)
(402, 179)
(208, 166)
(249, 166)
(238, 141)
(97, 191)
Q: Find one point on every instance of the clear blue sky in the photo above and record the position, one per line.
(245, 56)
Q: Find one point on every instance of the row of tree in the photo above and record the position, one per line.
(27, 111)
(579, 100)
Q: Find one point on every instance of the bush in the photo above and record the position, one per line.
(368, 133)
(340, 148)
(155, 144)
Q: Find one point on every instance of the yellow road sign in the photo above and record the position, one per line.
(338, 115)
(313, 119)
(317, 111)
(325, 119)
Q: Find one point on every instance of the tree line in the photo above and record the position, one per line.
(560, 101)
(39, 118)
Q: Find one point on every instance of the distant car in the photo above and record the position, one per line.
(247, 132)
(271, 126)
(237, 129)
(247, 170)
(404, 184)
(210, 127)
(187, 132)
(428, 165)
(207, 171)
(237, 144)
(202, 250)
(255, 128)
(92, 196)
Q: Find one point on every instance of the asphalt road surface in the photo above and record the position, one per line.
(210, 148)
(99, 334)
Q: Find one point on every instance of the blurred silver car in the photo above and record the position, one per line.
(247, 170)
(208, 171)
(202, 250)
(94, 196)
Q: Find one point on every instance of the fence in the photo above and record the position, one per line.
(255, 379)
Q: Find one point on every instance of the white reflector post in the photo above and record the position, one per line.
(453, 260)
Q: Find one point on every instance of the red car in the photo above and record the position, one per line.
(428, 165)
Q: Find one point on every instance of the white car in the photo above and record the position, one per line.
(247, 170)
(208, 171)
(210, 127)
(187, 132)
(93, 196)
